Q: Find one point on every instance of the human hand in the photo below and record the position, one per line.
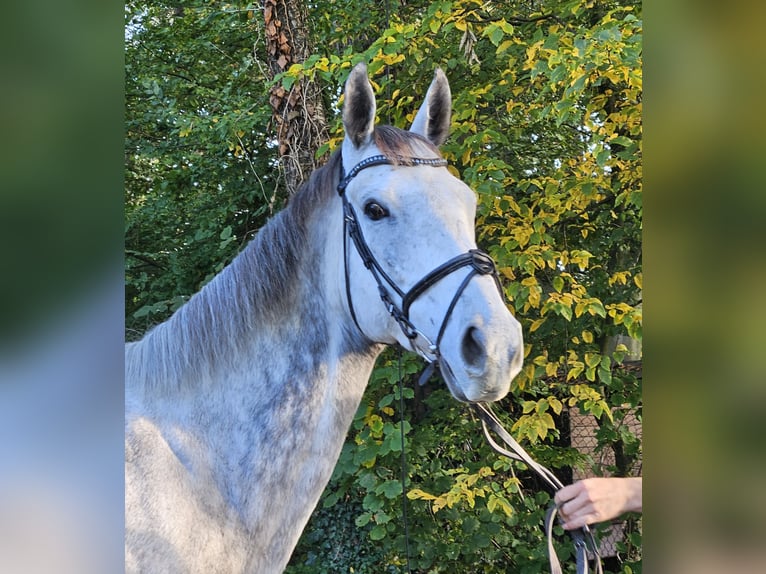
(594, 500)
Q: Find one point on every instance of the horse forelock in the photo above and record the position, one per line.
(400, 146)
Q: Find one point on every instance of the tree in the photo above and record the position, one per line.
(546, 129)
(299, 114)
(198, 172)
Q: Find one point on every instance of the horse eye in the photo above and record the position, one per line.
(375, 211)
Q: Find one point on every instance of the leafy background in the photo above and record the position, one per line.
(547, 100)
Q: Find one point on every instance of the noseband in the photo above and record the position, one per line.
(479, 262)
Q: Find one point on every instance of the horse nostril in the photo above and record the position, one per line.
(474, 353)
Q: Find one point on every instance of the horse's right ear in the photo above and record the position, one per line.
(358, 107)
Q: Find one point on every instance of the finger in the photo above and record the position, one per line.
(581, 519)
(578, 505)
(567, 493)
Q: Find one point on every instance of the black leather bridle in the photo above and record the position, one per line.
(480, 263)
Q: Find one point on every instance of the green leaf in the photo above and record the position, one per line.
(479, 540)
(592, 359)
(596, 307)
(470, 524)
(494, 32)
(376, 424)
(605, 375)
(602, 157)
(621, 140)
(390, 489)
(386, 400)
(563, 310)
(378, 532)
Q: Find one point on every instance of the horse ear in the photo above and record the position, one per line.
(358, 107)
(433, 118)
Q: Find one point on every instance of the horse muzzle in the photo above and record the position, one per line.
(482, 350)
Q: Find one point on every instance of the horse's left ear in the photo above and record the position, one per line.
(433, 118)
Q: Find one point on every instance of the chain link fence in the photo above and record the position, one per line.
(583, 435)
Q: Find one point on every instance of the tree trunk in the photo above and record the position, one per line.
(298, 114)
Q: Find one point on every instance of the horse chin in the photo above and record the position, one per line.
(449, 378)
(457, 392)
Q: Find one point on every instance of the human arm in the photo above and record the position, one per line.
(594, 500)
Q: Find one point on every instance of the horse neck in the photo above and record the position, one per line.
(269, 417)
(286, 409)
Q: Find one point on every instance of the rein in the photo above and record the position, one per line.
(582, 537)
(480, 263)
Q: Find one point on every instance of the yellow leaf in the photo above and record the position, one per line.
(551, 369)
(620, 277)
(485, 471)
(495, 501)
(528, 407)
(534, 296)
(528, 371)
(587, 336)
(504, 46)
(576, 370)
(416, 494)
(438, 504)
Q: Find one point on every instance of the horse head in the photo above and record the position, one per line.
(412, 271)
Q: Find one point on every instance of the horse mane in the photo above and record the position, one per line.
(258, 286)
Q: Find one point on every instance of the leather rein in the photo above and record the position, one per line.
(582, 538)
(480, 263)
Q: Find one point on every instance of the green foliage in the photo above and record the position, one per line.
(198, 180)
(546, 129)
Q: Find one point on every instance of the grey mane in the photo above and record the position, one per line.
(257, 288)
